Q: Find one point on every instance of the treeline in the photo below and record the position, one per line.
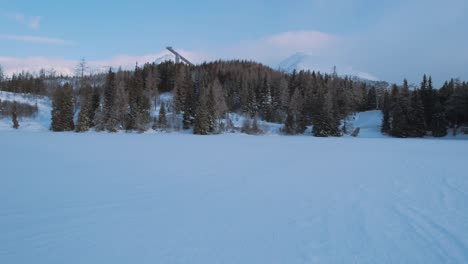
(425, 110)
(203, 95)
(28, 83)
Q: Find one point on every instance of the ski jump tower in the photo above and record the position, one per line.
(178, 57)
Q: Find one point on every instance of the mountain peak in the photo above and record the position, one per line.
(304, 61)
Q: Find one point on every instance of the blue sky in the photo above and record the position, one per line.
(391, 40)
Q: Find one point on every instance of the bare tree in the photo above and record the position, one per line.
(220, 106)
(81, 68)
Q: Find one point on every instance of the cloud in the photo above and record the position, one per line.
(33, 22)
(13, 65)
(36, 39)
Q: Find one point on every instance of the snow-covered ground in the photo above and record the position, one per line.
(369, 123)
(174, 198)
(40, 123)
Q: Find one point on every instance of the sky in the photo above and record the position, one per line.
(389, 40)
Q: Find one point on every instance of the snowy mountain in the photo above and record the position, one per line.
(304, 61)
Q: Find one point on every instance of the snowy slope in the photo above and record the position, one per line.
(168, 198)
(40, 123)
(369, 123)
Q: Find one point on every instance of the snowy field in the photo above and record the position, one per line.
(174, 198)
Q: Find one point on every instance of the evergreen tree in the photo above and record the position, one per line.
(110, 114)
(162, 120)
(211, 112)
(180, 88)
(295, 123)
(96, 102)
(416, 116)
(187, 120)
(371, 99)
(326, 124)
(201, 126)
(439, 121)
(266, 100)
(63, 109)
(386, 109)
(139, 104)
(14, 116)
(399, 122)
(457, 106)
(109, 92)
(427, 96)
(84, 121)
(401, 108)
(188, 103)
(152, 82)
(121, 104)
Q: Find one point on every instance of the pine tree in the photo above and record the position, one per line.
(139, 104)
(152, 82)
(187, 120)
(399, 122)
(386, 109)
(96, 102)
(180, 89)
(439, 121)
(266, 100)
(401, 108)
(201, 126)
(121, 104)
(427, 96)
(14, 116)
(211, 112)
(416, 116)
(110, 115)
(84, 122)
(371, 99)
(188, 103)
(63, 109)
(326, 124)
(295, 123)
(162, 120)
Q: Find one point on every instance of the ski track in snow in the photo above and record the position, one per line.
(174, 198)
